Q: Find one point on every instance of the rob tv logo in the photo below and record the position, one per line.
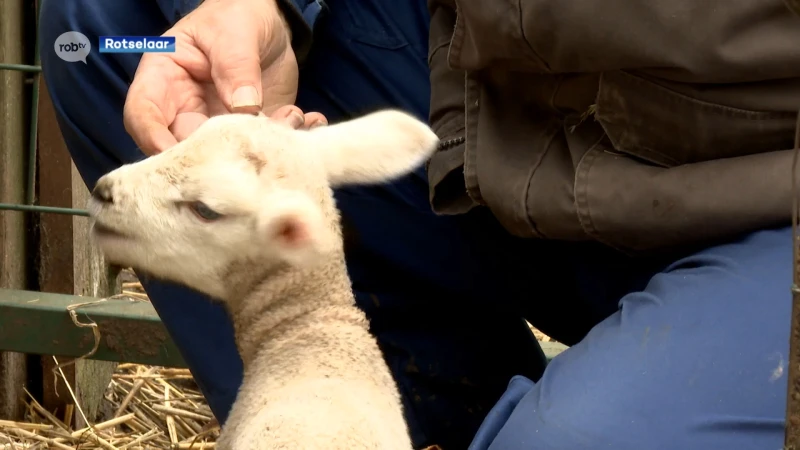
(74, 46)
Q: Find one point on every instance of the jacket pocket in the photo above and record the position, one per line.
(641, 208)
(648, 121)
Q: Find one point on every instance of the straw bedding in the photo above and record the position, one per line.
(146, 407)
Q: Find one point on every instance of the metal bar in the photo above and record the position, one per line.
(21, 67)
(43, 209)
(792, 431)
(40, 323)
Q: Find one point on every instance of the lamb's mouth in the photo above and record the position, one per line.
(103, 231)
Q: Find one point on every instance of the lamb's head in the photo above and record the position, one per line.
(245, 193)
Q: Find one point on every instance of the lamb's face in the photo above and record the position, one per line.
(246, 192)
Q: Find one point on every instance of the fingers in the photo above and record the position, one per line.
(315, 119)
(295, 118)
(290, 115)
(245, 41)
(145, 116)
(152, 137)
(236, 67)
(185, 123)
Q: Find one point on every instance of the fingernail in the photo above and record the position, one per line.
(245, 97)
(295, 120)
(289, 112)
(320, 123)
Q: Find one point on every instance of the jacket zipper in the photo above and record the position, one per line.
(450, 143)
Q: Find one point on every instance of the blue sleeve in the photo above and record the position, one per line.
(301, 16)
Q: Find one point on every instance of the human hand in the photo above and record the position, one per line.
(230, 56)
(297, 119)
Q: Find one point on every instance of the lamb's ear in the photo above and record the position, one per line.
(374, 148)
(293, 227)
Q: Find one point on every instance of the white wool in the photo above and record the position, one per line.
(314, 375)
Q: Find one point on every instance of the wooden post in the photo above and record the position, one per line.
(13, 144)
(55, 258)
(67, 265)
(95, 279)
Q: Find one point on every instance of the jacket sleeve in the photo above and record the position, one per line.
(709, 40)
(301, 15)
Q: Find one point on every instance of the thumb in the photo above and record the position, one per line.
(236, 71)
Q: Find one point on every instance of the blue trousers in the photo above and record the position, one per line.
(683, 353)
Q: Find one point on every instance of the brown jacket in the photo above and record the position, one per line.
(643, 125)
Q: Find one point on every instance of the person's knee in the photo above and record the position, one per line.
(695, 360)
(600, 394)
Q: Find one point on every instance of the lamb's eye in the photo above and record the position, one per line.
(204, 212)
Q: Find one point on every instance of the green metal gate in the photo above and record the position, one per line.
(42, 323)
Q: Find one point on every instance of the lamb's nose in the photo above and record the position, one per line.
(102, 191)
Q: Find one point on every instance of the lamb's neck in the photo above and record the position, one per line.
(285, 299)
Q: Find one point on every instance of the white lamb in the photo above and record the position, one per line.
(243, 211)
